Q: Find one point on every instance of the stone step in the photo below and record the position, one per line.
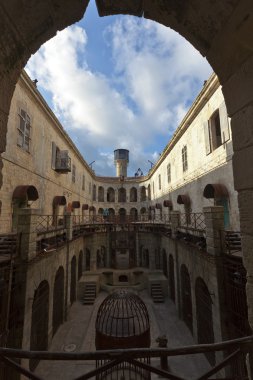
(157, 293)
(89, 293)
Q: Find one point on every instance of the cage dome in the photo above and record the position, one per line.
(122, 322)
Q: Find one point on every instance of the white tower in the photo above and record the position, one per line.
(121, 159)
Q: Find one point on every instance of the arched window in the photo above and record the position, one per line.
(110, 197)
(133, 194)
(122, 215)
(87, 259)
(149, 192)
(122, 195)
(143, 194)
(101, 193)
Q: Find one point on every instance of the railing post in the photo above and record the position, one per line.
(69, 225)
(175, 219)
(27, 223)
(214, 220)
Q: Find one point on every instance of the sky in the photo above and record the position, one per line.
(118, 82)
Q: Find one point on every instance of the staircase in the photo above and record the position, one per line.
(8, 244)
(89, 293)
(233, 241)
(157, 293)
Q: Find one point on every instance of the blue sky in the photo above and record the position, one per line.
(119, 82)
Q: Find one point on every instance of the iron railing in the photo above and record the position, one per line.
(49, 223)
(113, 358)
(120, 219)
(192, 221)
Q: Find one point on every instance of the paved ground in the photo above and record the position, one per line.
(78, 334)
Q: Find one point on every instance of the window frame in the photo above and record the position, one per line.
(169, 172)
(24, 138)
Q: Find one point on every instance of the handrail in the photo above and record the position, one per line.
(117, 356)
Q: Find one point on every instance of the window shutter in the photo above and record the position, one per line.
(53, 161)
(224, 124)
(207, 137)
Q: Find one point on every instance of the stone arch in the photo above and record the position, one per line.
(73, 280)
(186, 296)
(39, 323)
(111, 214)
(80, 265)
(165, 264)
(101, 194)
(204, 317)
(110, 195)
(133, 194)
(122, 195)
(58, 299)
(172, 278)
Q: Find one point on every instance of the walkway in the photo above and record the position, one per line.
(78, 334)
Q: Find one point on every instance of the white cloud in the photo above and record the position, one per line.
(154, 76)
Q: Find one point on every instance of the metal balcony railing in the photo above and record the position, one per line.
(113, 358)
(192, 221)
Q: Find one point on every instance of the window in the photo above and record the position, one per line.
(169, 173)
(83, 182)
(89, 188)
(184, 158)
(24, 131)
(73, 173)
(159, 182)
(216, 129)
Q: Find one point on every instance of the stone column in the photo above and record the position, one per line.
(174, 223)
(214, 219)
(27, 223)
(69, 225)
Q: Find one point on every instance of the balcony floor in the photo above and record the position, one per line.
(78, 334)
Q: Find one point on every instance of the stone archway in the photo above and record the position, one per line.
(221, 31)
(39, 322)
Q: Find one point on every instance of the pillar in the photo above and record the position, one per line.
(214, 219)
(27, 224)
(69, 225)
(175, 215)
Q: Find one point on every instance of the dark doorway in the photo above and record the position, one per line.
(80, 265)
(204, 317)
(58, 301)
(39, 326)
(186, 297)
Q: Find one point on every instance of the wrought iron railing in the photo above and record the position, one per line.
(113, 358)
(120, 219)
(192, 221)
(49, 223)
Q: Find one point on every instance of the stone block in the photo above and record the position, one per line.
(243, 168)
(242, 128)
